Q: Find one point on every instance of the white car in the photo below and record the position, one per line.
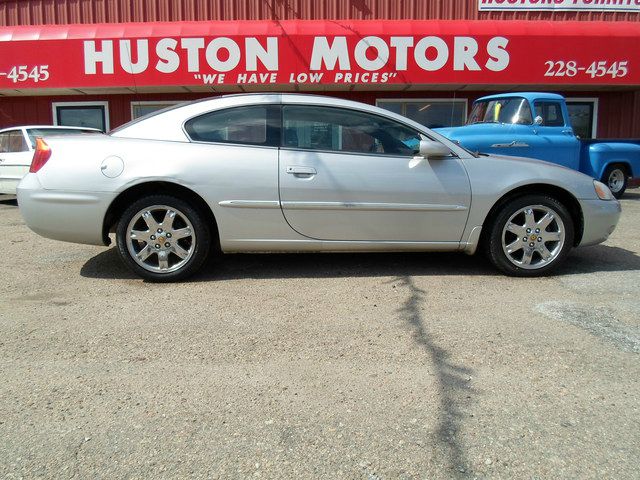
(17, 145)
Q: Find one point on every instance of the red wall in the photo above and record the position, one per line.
(619, 112)
(37, 12)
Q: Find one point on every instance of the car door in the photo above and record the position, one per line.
(556, 141)
(15, 159)
(351, 175)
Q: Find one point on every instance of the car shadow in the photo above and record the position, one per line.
(307, 265)
(600, 258)
(631, 195)
(9, 200)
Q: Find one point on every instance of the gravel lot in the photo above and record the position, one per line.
(319, 366)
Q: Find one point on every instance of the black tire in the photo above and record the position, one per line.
(616, 178)
(494, 240)
(198, 245)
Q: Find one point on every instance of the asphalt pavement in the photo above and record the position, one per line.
(363, 366)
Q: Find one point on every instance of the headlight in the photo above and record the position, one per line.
(602, 191)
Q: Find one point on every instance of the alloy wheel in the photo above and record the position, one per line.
(160, 239)
(533, 237)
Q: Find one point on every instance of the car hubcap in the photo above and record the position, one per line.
(533, 237)
(160, 239)
(616, 180)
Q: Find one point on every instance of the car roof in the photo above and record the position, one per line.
(531, 96)
(183, 111)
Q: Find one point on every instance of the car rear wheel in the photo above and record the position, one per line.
(162, 238)
(615, 177)
(531, 236)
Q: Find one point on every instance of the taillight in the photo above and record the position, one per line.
(41, 155)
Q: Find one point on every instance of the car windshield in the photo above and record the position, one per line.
(513, 110)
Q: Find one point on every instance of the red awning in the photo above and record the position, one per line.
(318, 53)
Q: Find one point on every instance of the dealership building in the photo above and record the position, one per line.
(103, 63)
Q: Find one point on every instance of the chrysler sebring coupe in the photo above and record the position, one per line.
(291, 173)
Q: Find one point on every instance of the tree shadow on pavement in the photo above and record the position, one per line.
(600, 258)
(454, 387)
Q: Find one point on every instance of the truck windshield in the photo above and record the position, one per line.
(513, 110)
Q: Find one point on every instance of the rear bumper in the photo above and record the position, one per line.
(61, 215)
(600, 220)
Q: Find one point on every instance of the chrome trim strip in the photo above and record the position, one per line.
(65, 197)
(371, 206)
(250, 203)
(513, 144)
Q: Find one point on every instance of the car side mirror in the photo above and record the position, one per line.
(538, 120)
(431, 149)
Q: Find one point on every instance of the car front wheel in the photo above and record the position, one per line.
(163, 238)
(531, 236)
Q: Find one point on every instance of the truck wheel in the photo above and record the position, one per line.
(615, 177)
(162, 238)
(530, 236)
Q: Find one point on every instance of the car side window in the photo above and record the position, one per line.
(342, 130)
(551, 113)
(4, 142)
(250, 125)
(13, 142)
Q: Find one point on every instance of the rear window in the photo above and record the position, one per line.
(33, 133)
(249, 125)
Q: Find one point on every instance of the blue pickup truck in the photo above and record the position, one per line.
(536, 125)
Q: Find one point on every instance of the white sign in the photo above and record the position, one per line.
(560, 5)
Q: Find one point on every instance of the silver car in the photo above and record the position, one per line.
(286, 172)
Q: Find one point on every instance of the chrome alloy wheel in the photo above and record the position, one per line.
(533, 237)
(160, 239)
(615, 182)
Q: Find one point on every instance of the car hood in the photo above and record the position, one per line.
(529, 160)
(470, 130)
(515, 171)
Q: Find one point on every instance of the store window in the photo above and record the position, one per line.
(432, 113)
(342, 130)
(82, 114)
(140, 109)
(583, 115)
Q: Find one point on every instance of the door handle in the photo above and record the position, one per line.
(301, 170)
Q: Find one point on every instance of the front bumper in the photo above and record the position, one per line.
(61, 215)
(600, 220)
